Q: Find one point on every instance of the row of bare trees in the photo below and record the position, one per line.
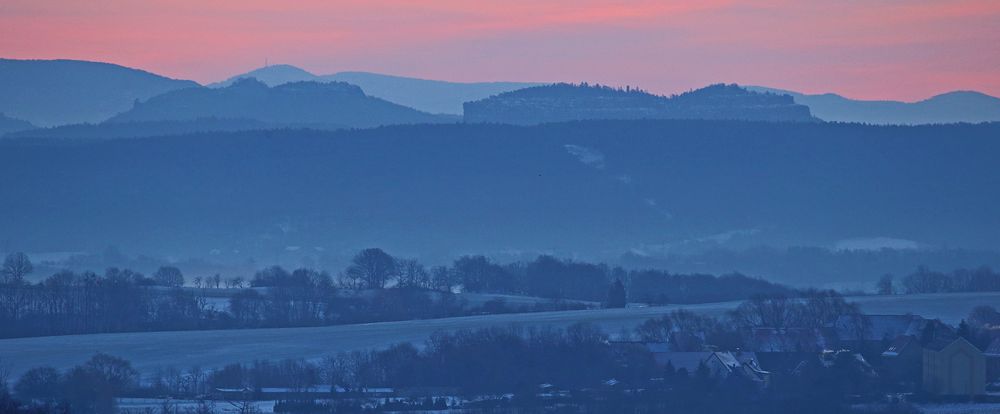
(117, 301)
(375, 287)
(924, 280)
(89, 388)
(550, 277)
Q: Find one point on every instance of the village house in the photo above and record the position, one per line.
(720, 365)
(936, 360)
(902, 363)
(992, 355)
(910, 352)
(954, 367)
(871, 334)
(916, 353)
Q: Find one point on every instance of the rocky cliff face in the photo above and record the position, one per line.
(566, 102)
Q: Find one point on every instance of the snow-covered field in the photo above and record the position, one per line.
(960, 408)
(156, 405)
(951, 308)
(151, 350)
(218, 299)
(478, 299)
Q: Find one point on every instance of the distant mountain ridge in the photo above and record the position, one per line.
(951, 107)
(57, 92)
(50, 93)
(298, 103)
(433, 96)
(272, 75)
(570, 102)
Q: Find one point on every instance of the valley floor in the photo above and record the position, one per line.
(149, 351)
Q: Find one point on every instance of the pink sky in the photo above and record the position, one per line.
(873, 49)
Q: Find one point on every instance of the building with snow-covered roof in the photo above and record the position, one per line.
(719, 365)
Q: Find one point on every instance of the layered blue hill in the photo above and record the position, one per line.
(57, 92)
(298, 103)
(952, 107)
(8, 125)
(569, 102)
(434, 96)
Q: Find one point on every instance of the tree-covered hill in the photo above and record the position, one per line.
(8, 125)
(57, 92)
(294, 103)
(567, 102)
(594, 189)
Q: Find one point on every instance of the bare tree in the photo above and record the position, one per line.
(245, 404)
(413, 274)
(984, 316)
(203, 407)
(4, 375)
(169, 276)
(167, 406)
(39, 383)
(822, 307)
(16, 266)
(370, 269)
(775, 311)
(655, 330)
(442, 278)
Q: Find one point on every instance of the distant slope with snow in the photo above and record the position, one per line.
(149, 351)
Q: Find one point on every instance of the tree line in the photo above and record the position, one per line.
(924, 280)
(88, 388)
(124, 301)
(550, 277)
(375, 286)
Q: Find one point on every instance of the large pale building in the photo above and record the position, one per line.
(954, 367)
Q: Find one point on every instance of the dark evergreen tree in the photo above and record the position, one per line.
(616, 295)
(965, 332)
(885, 285)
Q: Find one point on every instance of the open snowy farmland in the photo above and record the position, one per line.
(151, 350)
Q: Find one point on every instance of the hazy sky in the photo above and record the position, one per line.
(898, 49)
